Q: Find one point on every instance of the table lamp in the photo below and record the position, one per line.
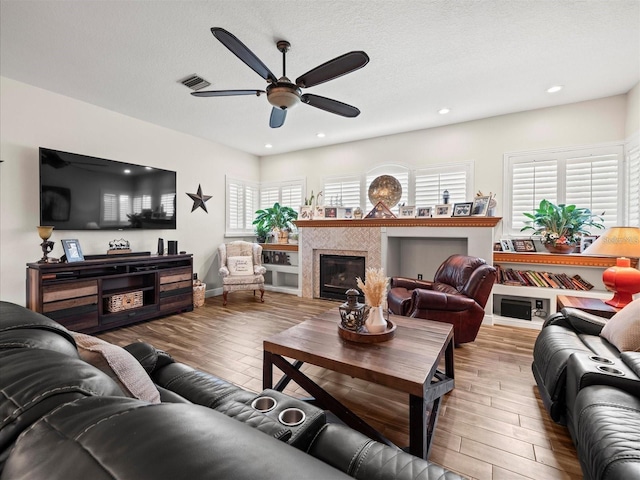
(623, 280)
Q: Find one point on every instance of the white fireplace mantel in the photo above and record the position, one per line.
(372, 238)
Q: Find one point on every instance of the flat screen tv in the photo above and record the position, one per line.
(78, 192)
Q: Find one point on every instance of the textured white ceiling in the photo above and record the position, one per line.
(480, 58)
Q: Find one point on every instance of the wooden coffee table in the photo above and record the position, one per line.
(408, 363)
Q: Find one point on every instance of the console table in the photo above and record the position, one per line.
(77, 294)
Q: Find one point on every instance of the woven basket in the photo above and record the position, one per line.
(199, 289)
(124, 301)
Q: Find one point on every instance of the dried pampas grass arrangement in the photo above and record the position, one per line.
(375, 290)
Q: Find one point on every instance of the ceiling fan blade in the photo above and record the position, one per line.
(329, 105)
(277, 118)
(335, 68)
(226, 93)
(240, 50)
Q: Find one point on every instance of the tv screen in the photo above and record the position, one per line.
(78, 192)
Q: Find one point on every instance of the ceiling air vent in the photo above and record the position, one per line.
(195, 82)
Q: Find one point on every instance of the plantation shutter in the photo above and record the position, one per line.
(633, 185)
(592, 182)
(431, 184)
(588, 177)
(532, 182)
(269, 196)
(242, 202)
(344, 190)
(291, 195)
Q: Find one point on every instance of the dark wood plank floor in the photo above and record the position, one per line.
(491, 426)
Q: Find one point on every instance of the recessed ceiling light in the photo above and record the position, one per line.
(127, 171)
(148, 168)
(268, 145)
(554, 89)
(320, 135)
(444, 111)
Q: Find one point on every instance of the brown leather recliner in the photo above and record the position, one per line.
(457, 295)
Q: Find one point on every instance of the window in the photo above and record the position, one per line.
(430, 184)
(287, 194)
(633, 182)
(242, 202)
(588, 177)
(342, 190)
(115, 208)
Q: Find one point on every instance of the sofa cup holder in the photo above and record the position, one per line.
(611, 370)
(291, 417)
(599, 359)
(264, 404)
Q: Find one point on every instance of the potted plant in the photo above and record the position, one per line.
(560, 226)
(278, 219)
(262, 233)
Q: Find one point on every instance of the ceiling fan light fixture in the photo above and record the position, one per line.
(283, 94)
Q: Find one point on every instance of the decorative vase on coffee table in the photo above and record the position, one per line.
(375, 322)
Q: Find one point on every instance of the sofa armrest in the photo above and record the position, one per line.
(362, 458)
(433, 300)
(409, 283)
(259, 270)
(224, 271)
(632, 360)
(583, 322)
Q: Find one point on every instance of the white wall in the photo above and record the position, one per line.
(633, 111)
(31, 117)
(484, 141)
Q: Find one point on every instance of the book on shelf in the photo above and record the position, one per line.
(532, 278)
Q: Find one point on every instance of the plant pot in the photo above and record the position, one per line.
(283, 236)
(561, 249)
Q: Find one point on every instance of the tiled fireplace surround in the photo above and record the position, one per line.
(372, 240)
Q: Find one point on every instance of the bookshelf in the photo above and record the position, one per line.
(588, 267)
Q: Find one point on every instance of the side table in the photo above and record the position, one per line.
(594, 306)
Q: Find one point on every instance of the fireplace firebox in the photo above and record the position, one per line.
(338, 274)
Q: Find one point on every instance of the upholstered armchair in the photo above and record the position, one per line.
(457, 295)
(241, 268)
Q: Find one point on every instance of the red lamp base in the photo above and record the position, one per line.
(623, 280)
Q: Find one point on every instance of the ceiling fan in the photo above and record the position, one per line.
(282, 93)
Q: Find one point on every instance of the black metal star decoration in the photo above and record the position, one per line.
(199, 199)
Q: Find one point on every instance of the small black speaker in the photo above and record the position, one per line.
(515, 308)
(160, 246)
(172, 247)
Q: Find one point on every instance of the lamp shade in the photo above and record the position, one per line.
(623, 280)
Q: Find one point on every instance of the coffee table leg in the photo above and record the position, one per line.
(417, 427)
(267, 370)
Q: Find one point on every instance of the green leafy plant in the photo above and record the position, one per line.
(262, 234)
(275, 218)
(561, 224)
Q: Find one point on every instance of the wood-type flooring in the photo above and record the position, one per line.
(491, 426)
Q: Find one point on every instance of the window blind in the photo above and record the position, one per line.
(109, 207)
(124, 208)
(633, 185)
(344, 190)
(588, 177)
(242, 202)
(166, 200)
(431, 184)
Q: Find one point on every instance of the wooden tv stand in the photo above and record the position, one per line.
(77, 294)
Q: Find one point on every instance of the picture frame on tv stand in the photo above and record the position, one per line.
(72, 250)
